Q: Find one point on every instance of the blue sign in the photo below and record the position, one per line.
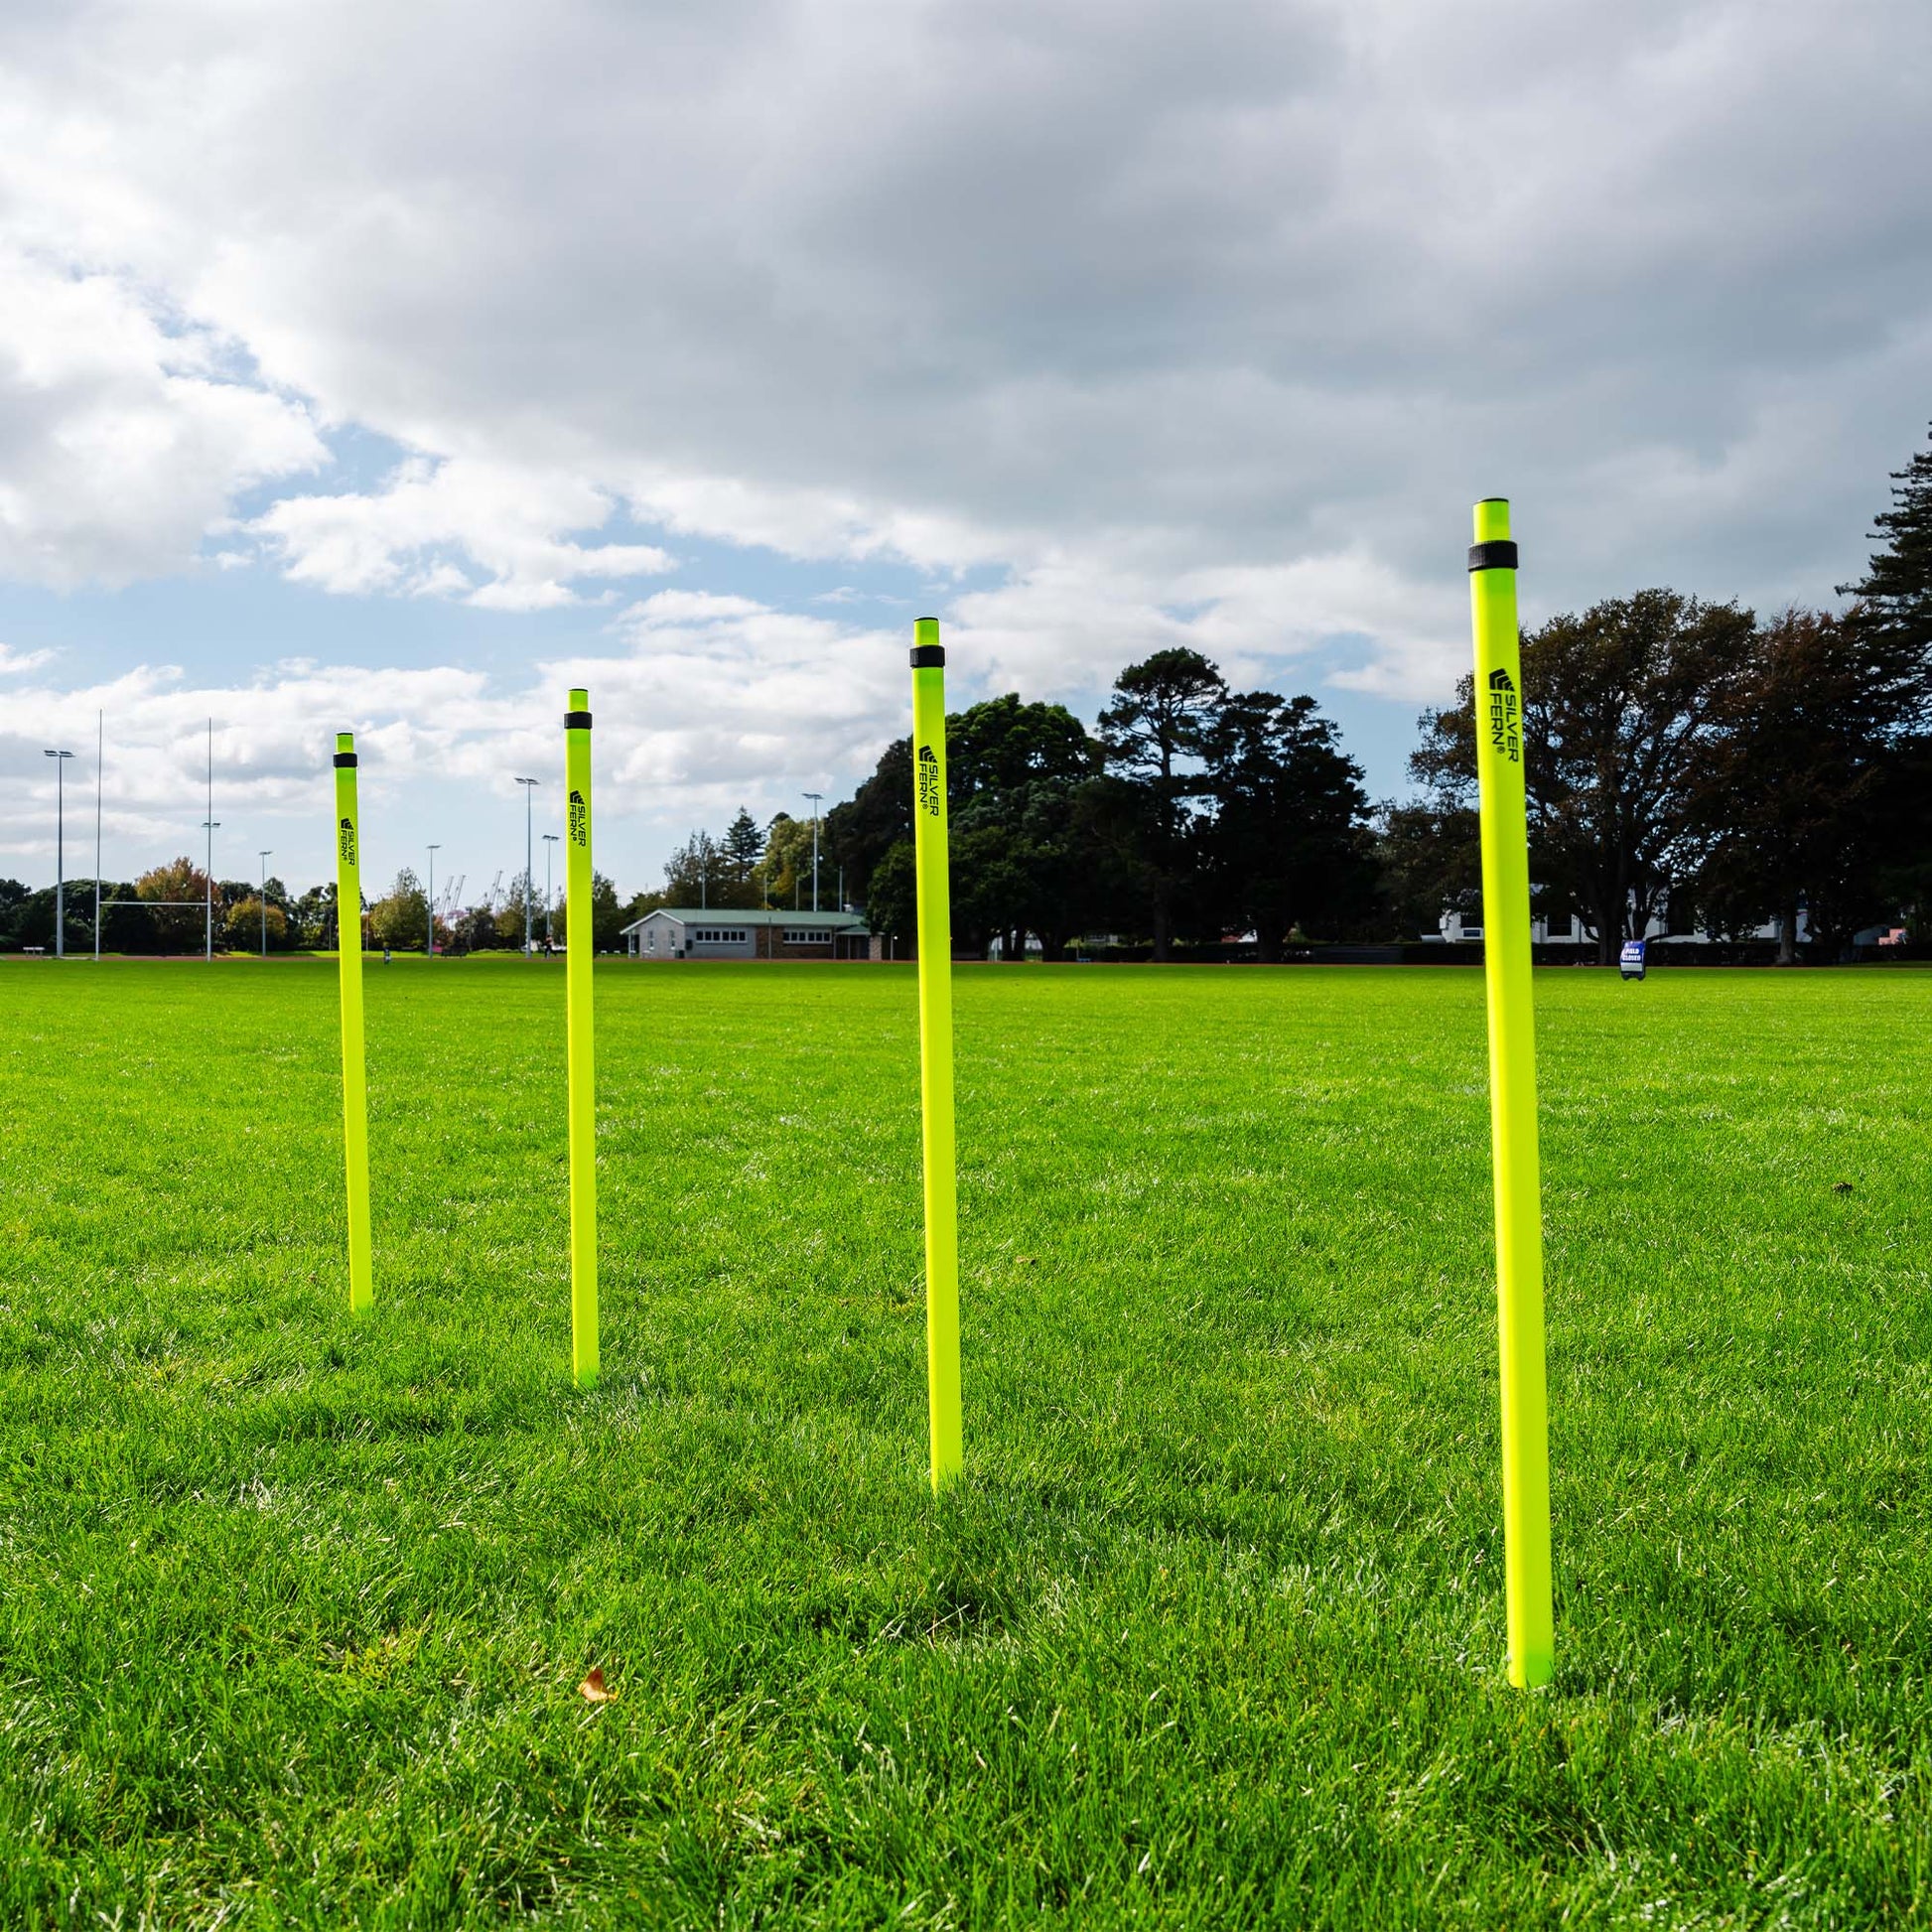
(1631, 961)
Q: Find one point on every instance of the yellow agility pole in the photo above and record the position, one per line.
(578, 941)
(1512, 1096)
(935, 1051)
(349, 953)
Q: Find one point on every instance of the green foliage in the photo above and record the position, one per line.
(608, 916)
(1621, 708)
(1287, 846)
(294, 1612)
(1811, 790)
(786, 874)
(1430, 860)
(509, 919)
(1894, 596)
(862, 830)
(180, 926)
(400, 919)
(892, 906)
(1156, 733)
(242, 925)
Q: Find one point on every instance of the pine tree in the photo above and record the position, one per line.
(742, 848)
(1895, 596)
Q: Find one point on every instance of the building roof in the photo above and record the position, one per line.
(735, 916)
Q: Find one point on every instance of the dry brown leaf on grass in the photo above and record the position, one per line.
(592, 1689)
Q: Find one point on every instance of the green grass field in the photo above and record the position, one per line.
(293, 1615)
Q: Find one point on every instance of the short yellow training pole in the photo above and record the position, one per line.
(579, 939)
(349, 954)
(1513, 1097)
(935, 1051)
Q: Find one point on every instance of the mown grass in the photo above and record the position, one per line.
(293, 1614)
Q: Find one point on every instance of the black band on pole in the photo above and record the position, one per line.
(345, 760)
(577, 721)
(1500, 555)
(926, 657)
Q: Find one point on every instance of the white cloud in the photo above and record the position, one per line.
(435, 529)
(1195, 325)
(702, 704)
(124, 434)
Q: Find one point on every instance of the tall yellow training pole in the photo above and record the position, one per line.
(349, 953)
(935, 1051)
(1512, 1096)
(578, 942)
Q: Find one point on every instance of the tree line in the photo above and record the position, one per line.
(1690, 759)
(1685, 760)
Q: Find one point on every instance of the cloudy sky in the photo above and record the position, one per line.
(395, 368)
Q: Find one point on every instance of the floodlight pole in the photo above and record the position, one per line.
(211, 826)
(433, 851)
(100, 747)
(59, 854)
(529, 858)
(266, 850)
(549, 937)
(815, 796)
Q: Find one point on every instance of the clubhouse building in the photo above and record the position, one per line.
(682, 932)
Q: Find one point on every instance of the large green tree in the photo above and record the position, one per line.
(178, 892)
(1620, 711)
(1021, 852)
(1156, 731)
(860, 831)
(740, 851)
(1893, 611)
(1430, 860)
(1289, 842)
(1809, 789)
(1015, 778)
(399, 920)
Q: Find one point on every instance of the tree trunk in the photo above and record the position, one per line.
(1788, 934)
(1163, 928)
(1269, 943)
(1609, 935)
